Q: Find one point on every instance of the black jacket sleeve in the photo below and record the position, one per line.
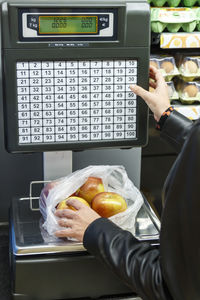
(176, 129)
(180, 230)
(171, 272)
(136, 263)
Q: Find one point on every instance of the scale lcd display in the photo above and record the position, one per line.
(68, 24)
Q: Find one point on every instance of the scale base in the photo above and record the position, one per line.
(45, 269)
(64, 277)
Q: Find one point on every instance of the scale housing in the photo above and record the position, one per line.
(41, 70)
(55, 266)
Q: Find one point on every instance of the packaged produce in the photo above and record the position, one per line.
(101, 183)
(189, 92)
(191, 3)
(192, 112)
(166, 64)
(198, 17)
(173, 95)
(172, 3)
(189, 67)
(181, 40)
(173, 19)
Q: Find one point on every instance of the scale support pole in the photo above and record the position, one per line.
(57, 164)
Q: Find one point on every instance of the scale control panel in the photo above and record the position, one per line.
(67, 71)
(76, 101)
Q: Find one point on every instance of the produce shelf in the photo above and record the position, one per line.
(180, 40)
(190, 111)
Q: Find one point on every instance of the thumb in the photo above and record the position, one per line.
(75, 203)
(139, 91)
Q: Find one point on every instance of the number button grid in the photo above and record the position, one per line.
(72, 101)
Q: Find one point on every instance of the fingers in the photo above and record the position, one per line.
(138, 90)
(152, 84)
(156, 80)
(68, 232)
(151, 74)
(152, 69)
(159, 77)
(75, 203)
(65, 213)
(64, 222)
(156, 75)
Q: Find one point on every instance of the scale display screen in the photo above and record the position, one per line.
(68, 24)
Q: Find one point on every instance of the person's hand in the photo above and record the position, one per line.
(158, 101)
(75, 221)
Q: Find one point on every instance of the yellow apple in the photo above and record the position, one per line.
(107, 204)
(63, 204)
(90, 189)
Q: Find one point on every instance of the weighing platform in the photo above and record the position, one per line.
(47, 260)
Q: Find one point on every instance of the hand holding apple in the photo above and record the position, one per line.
(76, 221)
(90, 189)
(63, 204)
(75, 214)
(107, 204)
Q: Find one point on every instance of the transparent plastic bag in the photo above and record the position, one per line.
(115, 179)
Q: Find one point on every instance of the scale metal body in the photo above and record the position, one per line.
(45, 267)
(66, 74)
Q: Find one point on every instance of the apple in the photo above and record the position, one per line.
(50, 185)
(63, 204)
(90, 188)
(45, 192)
(107, 204)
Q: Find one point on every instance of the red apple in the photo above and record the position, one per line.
(90, 189)
(45, 192)
(63, 204)
(107, 204)
(50, 185)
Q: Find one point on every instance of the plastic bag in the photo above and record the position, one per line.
(114, 178)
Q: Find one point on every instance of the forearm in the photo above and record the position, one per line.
(175, 129)
(136, 263)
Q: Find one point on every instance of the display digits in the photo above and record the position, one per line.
(68, 24)
(86, 22)
(59, 22)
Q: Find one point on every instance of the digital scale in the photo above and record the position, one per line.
(47, 268)
(70, 70)
(67, 68)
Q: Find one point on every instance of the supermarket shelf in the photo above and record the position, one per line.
(190, 111)
(180, 40)
(160, 40)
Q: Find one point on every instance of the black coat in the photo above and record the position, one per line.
(171, 272)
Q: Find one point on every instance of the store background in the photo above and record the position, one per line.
(158, 156)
